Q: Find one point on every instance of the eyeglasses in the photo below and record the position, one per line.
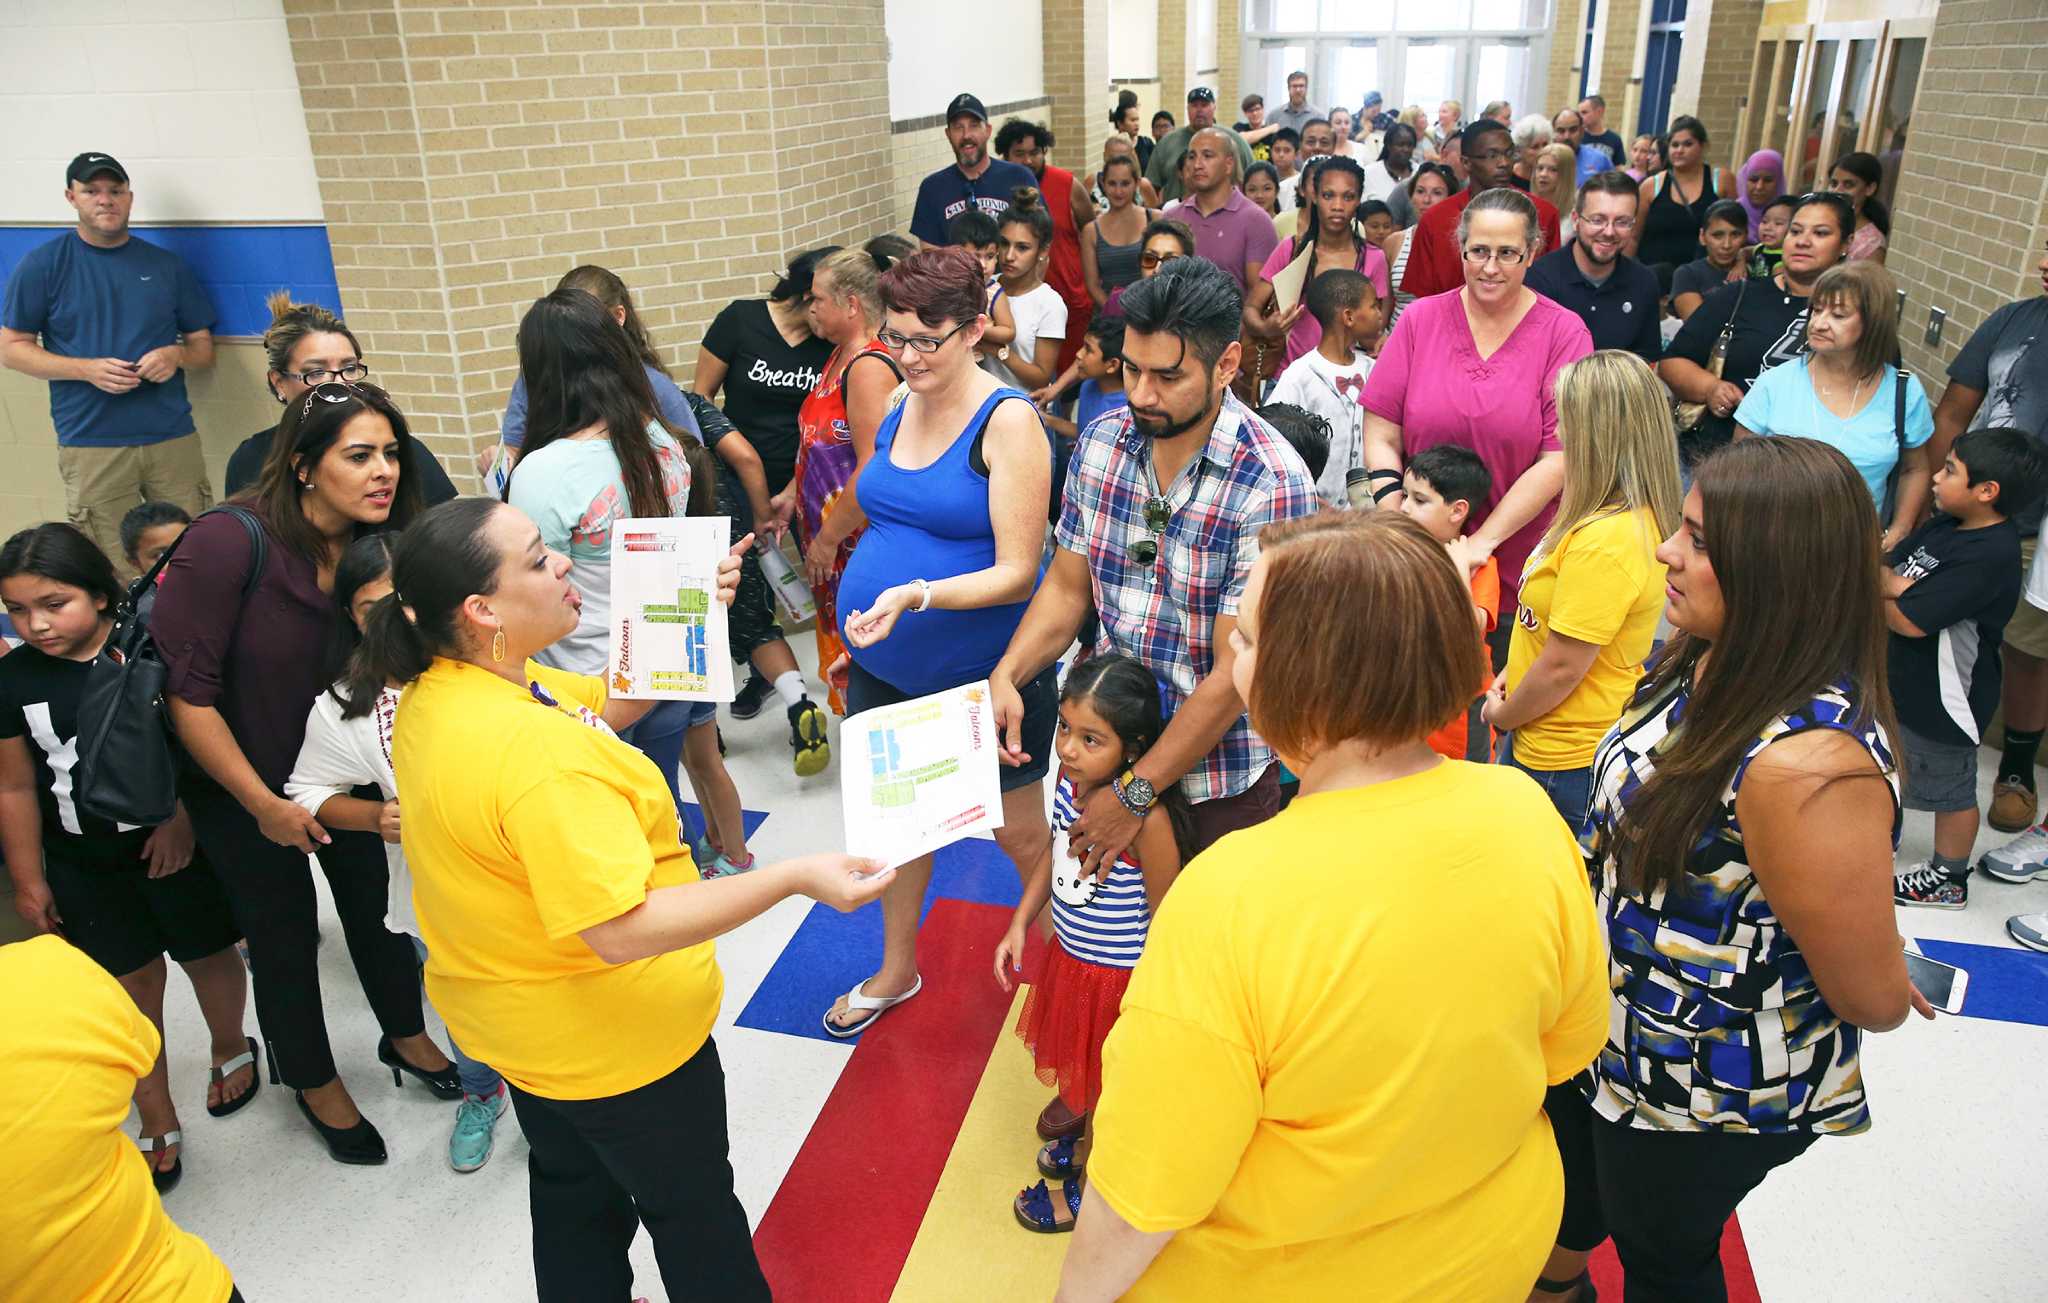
(346, 372)
(1153, 261)
(1144, 551)
(896, 342)
(1623, 224)
(1508, 255)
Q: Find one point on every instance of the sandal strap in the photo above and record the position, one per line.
(1071, 1188)
(1546, 1285)
(858, 998)
(157, 1144)
(223, 1071)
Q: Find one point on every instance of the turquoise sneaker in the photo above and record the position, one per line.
(476, 1121)
(701, 852)
(721, 867)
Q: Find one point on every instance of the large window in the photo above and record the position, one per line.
(1411, 51)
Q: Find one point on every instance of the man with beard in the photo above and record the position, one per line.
(1615, 295)
(1027, 144)
(973, 178)
(1298, 111)
(1159, 529)
(1164, 170)
(1489, 161)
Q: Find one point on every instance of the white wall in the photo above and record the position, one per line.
(1202, 39)
(1133, 40)
(939, 48)
(197, 98)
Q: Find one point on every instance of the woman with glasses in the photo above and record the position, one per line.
(1475, 367)
(955, 497)
(308, 345)
(245, 648)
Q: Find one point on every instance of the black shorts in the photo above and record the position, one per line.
(1041, 712)
(116, 913)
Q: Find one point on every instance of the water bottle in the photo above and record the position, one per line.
(789, 586)
(1358, 488)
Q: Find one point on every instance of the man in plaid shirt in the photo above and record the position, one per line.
(1160, 527)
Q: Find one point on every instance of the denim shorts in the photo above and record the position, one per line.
(1941, 777)
(1570, 790)
(1041, 712)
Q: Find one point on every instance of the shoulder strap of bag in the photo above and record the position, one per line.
(1899, 411)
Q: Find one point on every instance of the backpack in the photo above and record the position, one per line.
(128, 760)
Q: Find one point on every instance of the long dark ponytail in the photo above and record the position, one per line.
(1124, 693)
(1312, 216)
(439, 563)
(364, 562)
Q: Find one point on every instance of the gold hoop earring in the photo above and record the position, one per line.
(498, 645)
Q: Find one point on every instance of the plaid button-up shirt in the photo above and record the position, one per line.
(1165, 614)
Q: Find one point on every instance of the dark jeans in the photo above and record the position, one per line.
(271, 890)
(1663, 1195)
(1570, 790)
(1226, 814)
(655, 1156)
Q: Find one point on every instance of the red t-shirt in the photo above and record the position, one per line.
(1433, 262)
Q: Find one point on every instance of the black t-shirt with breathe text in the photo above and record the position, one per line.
(39, 696)
(1966, 583)
(1770, 329)
(766, 381)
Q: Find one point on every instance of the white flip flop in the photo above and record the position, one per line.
(873, 1006)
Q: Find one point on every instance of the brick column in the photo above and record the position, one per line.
(469, 156)
(1077, 79)
(1561, 72)
(1177, 62)
(1230, 87)
(1713, 69)
(1617, 71)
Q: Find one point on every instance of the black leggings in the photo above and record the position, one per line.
(271, 890)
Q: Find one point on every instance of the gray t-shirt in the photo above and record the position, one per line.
(1295, 118)
(2005, 363)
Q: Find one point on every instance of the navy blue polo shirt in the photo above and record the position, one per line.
(946, 193)
(86, 301)
(1621, 311)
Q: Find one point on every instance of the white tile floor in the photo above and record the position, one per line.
(1934, 1202)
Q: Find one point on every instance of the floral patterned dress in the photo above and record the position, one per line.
(825, 464)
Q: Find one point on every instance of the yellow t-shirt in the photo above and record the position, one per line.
(523, 826)
(1328, 1074)
(1603, 585)
(83, 1221)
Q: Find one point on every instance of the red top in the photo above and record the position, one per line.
(1433, 262)
(1063, 273)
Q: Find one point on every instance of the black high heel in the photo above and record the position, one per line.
(446, 1084)
(359, 1145)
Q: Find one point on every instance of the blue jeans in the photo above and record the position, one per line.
(1570, 790)
(480, 1079)
(658, 735)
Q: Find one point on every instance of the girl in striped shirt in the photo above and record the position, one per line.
(1109, 715)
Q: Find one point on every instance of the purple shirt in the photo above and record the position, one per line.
(1308, 332)
(1431, 381)
(1235, 236)
(260, 664)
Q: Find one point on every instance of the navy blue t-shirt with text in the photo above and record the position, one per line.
(946, 193)
(86, 301)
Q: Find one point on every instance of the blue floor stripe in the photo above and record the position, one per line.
(2007, 984)
(831, 951)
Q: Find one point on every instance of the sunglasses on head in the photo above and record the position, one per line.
(337, 391)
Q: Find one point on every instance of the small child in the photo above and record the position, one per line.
(1378, 220)
(1305, 432)
(978, 231)
(1331, 381)
(148, 531)
(1769, 249)
(1441, 487)
(1109, 716)
(1100, 364)
(1949, 591)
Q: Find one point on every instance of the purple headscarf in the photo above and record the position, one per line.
(1763, 162)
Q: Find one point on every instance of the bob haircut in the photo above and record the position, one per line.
(1407, 610)
(1872, 293)
(937, 285)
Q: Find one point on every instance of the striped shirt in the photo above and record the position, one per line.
(1110, 929)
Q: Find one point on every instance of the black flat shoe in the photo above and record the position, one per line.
(359, 1145)
(446, 1083)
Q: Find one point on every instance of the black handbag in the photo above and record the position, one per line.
(128, 764)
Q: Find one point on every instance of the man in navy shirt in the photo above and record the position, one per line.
(974, 178)
(120, 321)
(1615, 295)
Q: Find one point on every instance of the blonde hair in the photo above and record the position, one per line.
(1620, 447)
(855, 276)
(1562, 195)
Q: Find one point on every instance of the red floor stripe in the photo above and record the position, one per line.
(1734, 1262)
(849, 1208)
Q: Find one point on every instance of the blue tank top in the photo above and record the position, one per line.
(931, 523)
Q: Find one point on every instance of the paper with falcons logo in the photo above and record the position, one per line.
(920, 774)
(668, 627)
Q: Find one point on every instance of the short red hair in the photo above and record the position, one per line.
(939, 285)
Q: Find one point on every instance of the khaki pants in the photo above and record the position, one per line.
(102, 484)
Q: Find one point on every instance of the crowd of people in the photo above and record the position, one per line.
(1296, 489)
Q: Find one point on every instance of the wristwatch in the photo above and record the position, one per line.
(1134, 793)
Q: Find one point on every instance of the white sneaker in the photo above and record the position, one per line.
(2022, 859)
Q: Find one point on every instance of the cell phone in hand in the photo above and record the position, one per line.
(1942, 984)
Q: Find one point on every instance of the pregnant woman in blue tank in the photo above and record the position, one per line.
(955, 497)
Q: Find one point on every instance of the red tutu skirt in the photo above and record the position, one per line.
(1066, 1017)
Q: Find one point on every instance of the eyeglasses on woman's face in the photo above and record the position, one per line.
(1144, 552)
(1508, 255)
(346, 373)
(896, 341)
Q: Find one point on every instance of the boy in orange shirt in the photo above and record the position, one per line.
(1442, 484)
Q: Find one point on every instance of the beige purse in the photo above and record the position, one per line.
(1688, 415)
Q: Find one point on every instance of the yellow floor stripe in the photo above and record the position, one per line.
(970, 1246)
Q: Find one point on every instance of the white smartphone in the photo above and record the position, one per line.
(1942, 984)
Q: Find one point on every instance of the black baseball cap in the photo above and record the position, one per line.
(1202, 93)
(967, 104)
(89, 165)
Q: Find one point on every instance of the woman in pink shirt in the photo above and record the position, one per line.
(1338, 184)
(1475, 367)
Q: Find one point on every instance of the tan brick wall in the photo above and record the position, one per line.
(468, 156)
(1970, 223)
(1148, 104)
(1561, 79)
(1617, 80)
(1077, 79)
(1713, 69)
(1176, 61)
(1230, 87)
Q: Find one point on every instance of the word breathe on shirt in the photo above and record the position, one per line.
(803, 377)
